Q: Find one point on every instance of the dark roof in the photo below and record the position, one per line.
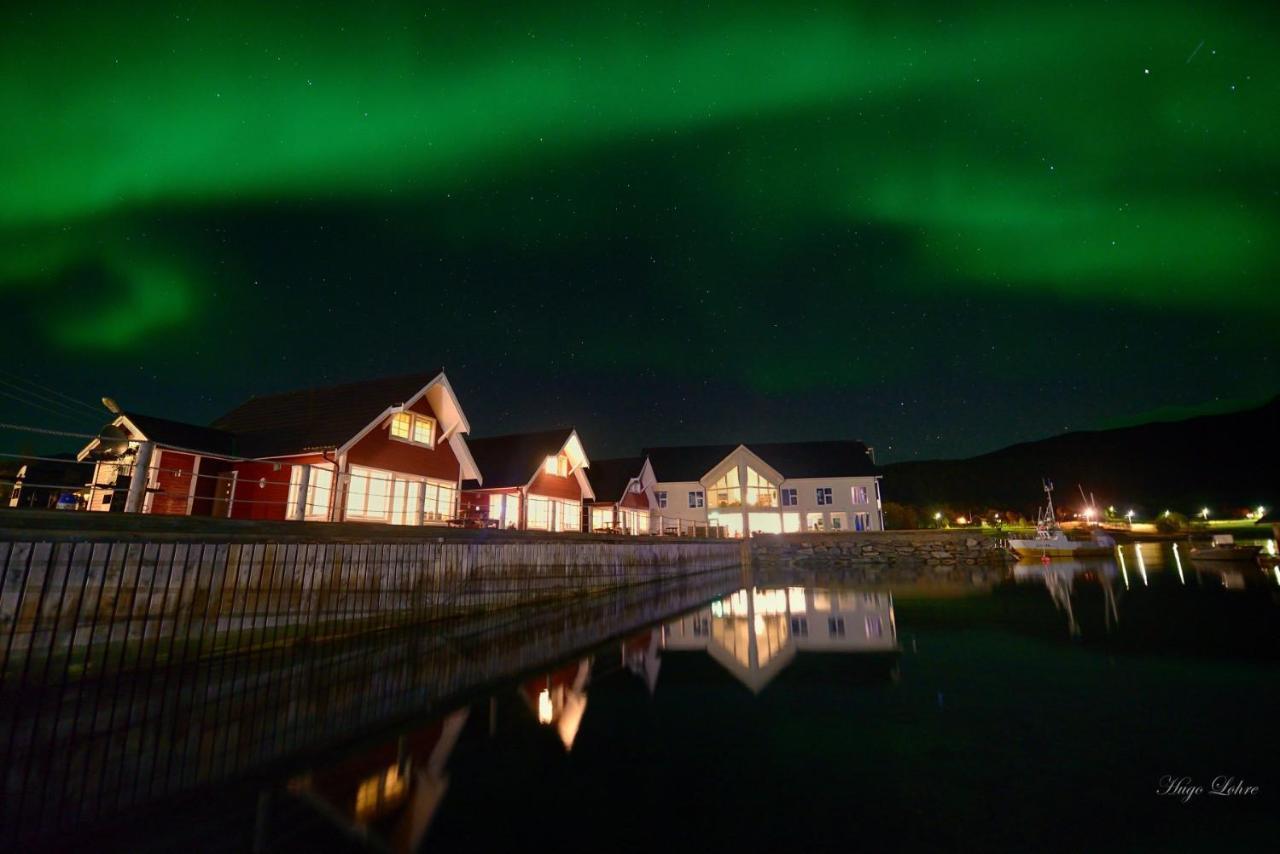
(179, 435)
(507, 461)
(840, 458)
(686, 463)
(609, 478)
(315, 419)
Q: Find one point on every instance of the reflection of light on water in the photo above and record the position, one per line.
(1177, 558)
(1123, 570)
(1142, 564)
(544, 707)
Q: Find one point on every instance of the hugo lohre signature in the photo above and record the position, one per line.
(1184, 788)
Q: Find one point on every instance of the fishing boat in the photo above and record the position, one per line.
(1051, 541)
(1224, 548)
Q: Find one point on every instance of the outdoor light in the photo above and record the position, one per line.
(1129, 515)
(1205, 512)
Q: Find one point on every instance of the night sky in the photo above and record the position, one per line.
(935, 228)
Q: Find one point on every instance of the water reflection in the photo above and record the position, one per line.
(756, 633)
(473, 733)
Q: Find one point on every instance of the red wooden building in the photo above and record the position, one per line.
(532, 481)
(623, 502)
(389, 450)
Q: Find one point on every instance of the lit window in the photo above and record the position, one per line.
(862, 521)
(697, 499)
(413, 428)
(860, 495)
(789, 498)
(726, 492)
(875, 627)
(662, 498)
(539, 514)
(557, 465)
(824, 495)
(760, 492)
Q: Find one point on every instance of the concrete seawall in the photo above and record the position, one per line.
(881, 555)
(181, 593)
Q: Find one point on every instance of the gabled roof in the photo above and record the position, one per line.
(177, 434)
(609, 478)
(839, 458)
(687, 463)
(513, 460)
(316, 419)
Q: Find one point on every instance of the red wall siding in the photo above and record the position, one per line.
(635, 500)
(173, 480)
(253, 499)
(379, 450)
(207, 485)
(554, 486)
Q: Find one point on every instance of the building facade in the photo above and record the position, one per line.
(738, 490)
(624, 502)
(532, 482)
(391, 451)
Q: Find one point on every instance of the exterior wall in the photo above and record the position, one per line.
(210, 492)
(842, 499)
(261, 491)
(678, 501)
(474, 504)
(555, 486)
(377, 450)
(173, 482)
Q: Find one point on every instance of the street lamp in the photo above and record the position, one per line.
(1129, 515)
(1204, 514)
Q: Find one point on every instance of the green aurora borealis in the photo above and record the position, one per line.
(937, 228)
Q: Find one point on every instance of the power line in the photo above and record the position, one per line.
(95, 409)
(25, 401)
(52, 401)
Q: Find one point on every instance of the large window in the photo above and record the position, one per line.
(862, 521)
(413, 428)
(319, 491)
(602, 518)
(696, 498)
(860, 495)
(725, 492)
(552, 514)
(814, 522)
(504, 508)
(824, 495)
(760, 492)
(382, 496)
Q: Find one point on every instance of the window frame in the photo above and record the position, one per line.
(824, 496)
(660, 495)
(415, 418)
(697, 499)
(789, 496)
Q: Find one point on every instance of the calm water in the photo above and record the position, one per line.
(762, 712)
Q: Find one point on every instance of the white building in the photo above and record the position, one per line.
(767, 488)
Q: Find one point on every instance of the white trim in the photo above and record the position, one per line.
(467, 468)
(439, 379)
(195, 480)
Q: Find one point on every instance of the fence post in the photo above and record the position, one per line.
(300, 503)
(138, 481)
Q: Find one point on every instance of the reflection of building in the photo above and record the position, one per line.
(768, 488)
(559, 699)
(390, 792)
(756, 633)
(532, 481)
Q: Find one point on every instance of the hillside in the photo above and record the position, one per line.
(1219, 461)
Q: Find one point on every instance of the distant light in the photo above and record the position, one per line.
(1166, 514)
(1129, 515)
(1205, 512)
(1262, 511)
(937, 516)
